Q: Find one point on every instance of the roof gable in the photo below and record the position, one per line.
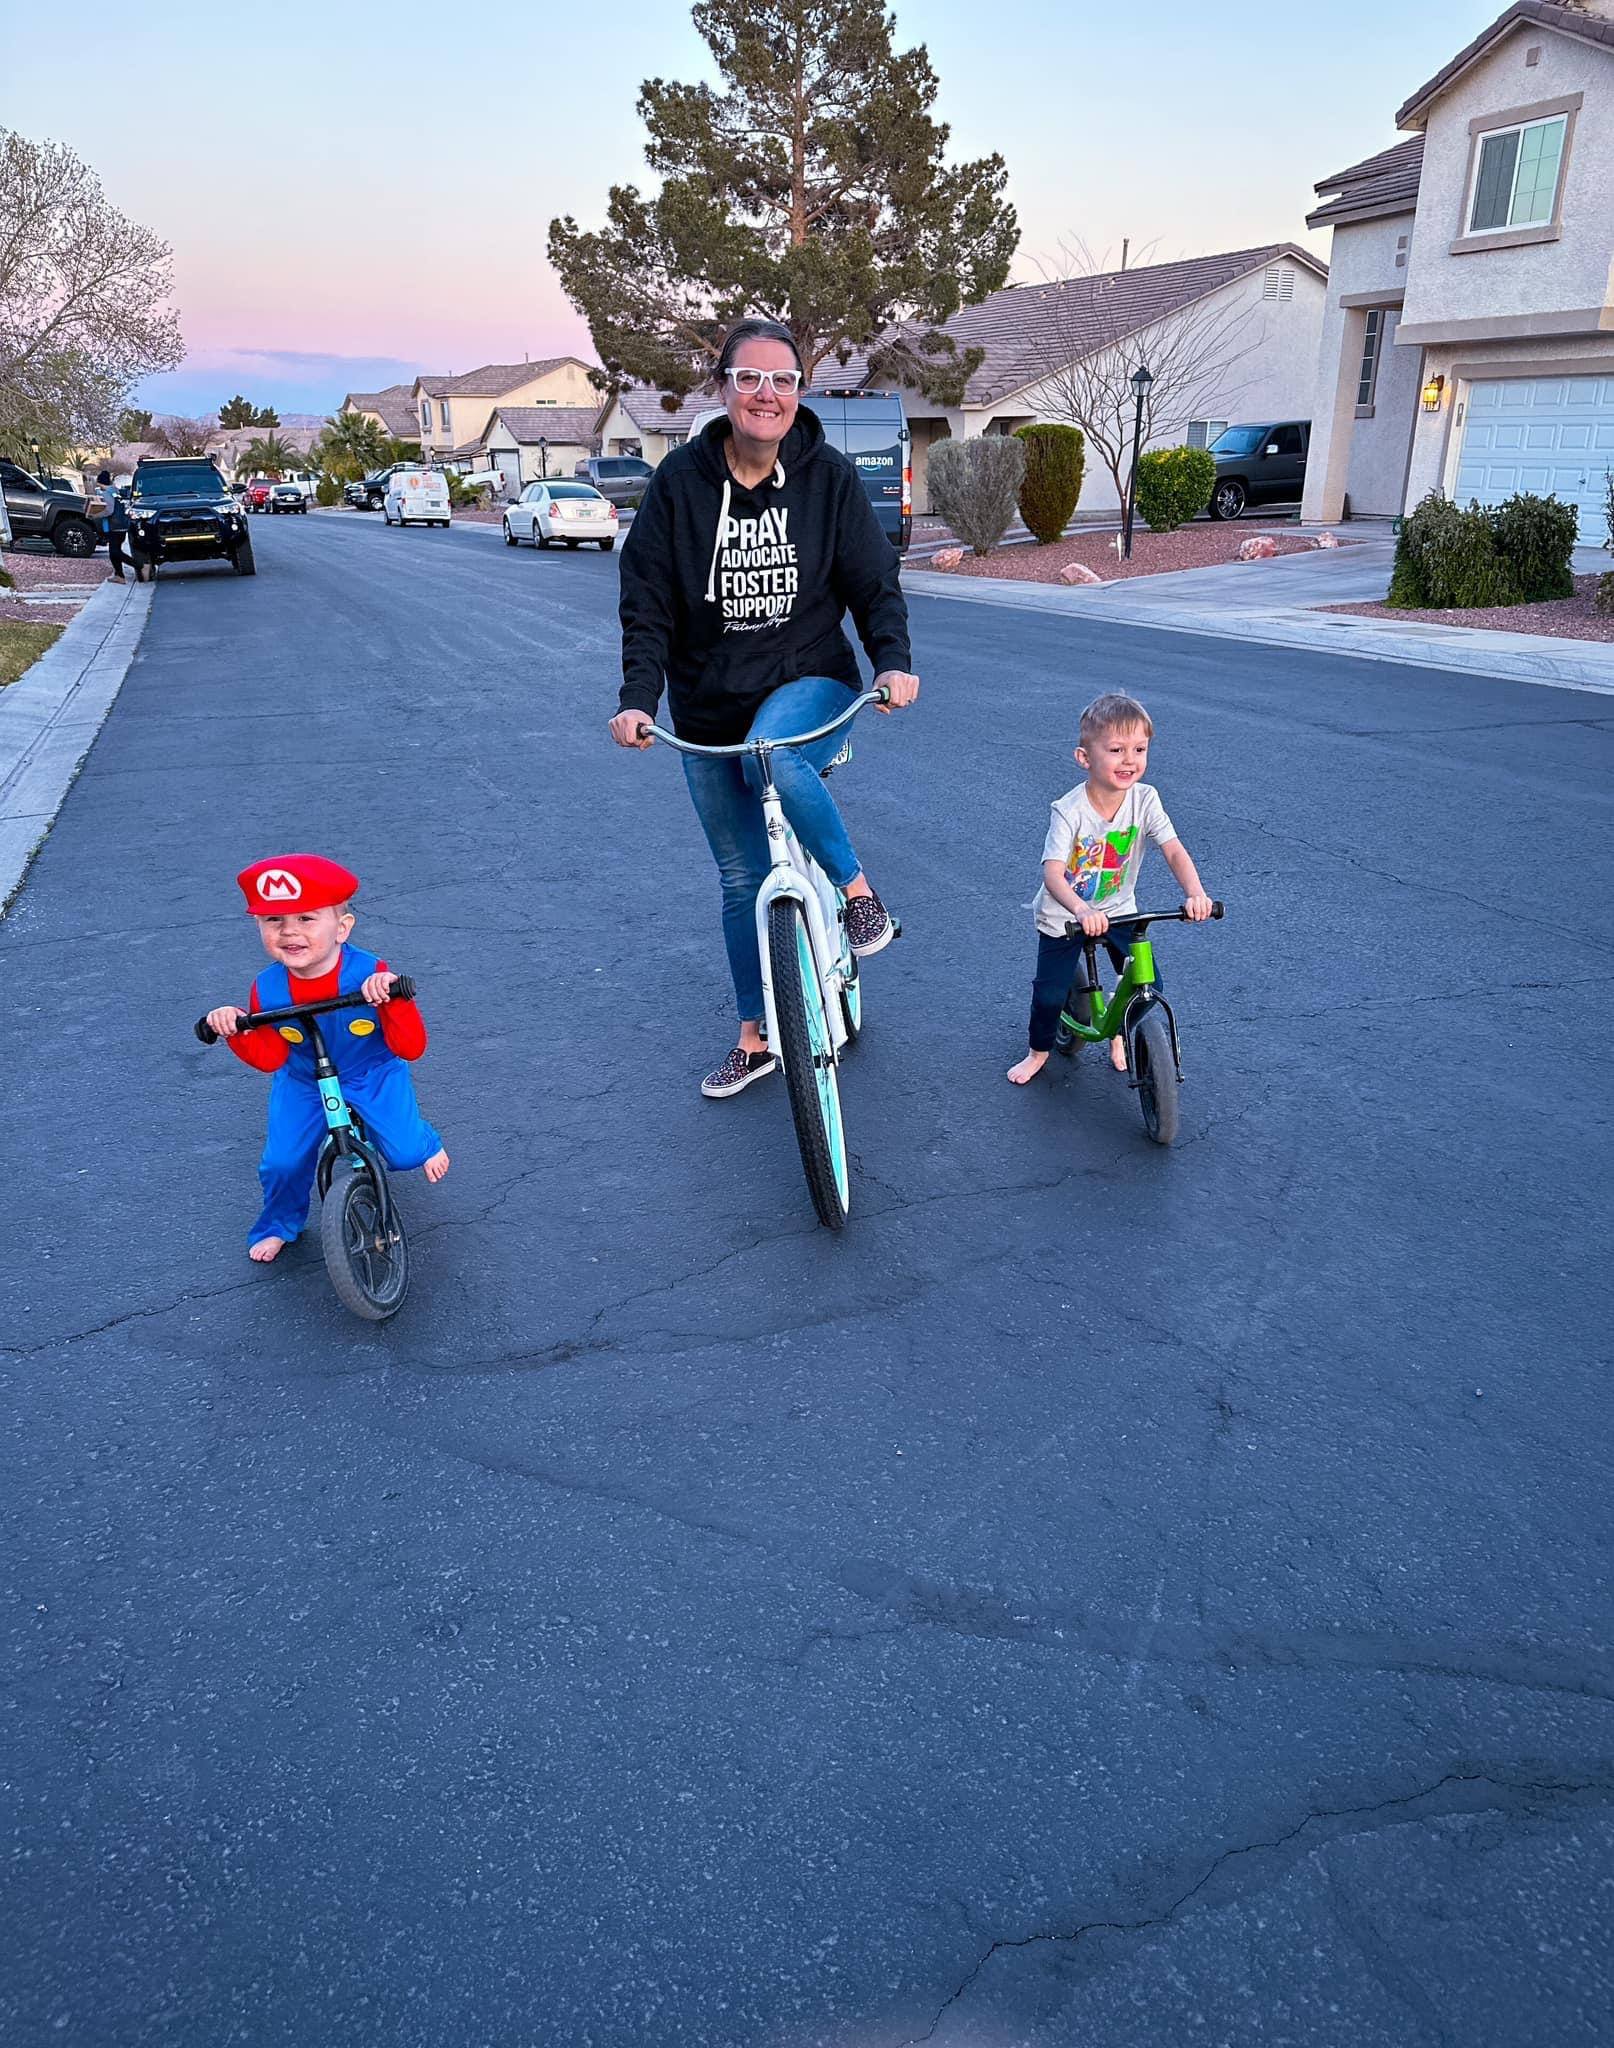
(1547, 14)
(1379, 185)
(494, 380)
(527, 424)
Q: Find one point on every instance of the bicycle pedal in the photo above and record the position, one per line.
(896, 926)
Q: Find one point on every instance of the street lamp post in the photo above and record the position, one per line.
(1141, 380)
(543, 455)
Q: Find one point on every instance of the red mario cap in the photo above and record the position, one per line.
(296, 881)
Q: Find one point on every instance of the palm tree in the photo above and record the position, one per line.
(268, 455)
(353, 443)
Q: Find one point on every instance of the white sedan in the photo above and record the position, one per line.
(561, 510)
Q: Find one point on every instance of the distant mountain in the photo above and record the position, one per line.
(303, 419)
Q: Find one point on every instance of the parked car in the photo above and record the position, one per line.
(416, 496)
(357, 494)
(1263, 464)
(181, 510)
(623, 479)
(375, 484)
(287, 497)
(305, 481)
(561, 510)
(870, 428)
(258, 494)
(38, 511)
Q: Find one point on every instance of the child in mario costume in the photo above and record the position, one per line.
(303, 907)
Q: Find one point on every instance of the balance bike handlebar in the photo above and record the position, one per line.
(403, 991)
(1074, 931)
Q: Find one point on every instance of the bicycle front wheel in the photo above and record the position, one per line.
(807, 1054)
(366, 1254)
(1156, 1069)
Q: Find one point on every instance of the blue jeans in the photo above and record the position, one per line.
(728, 801)
(1057, 962)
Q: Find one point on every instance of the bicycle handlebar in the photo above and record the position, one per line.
(1074, 931)
(766, 746)
(403, 991)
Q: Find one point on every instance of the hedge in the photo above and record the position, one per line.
(1055, 459)
(973, 486)
(1454, 558)
(1174, 485)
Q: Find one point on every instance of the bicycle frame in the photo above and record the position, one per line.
(795, 874)
(1137, 990)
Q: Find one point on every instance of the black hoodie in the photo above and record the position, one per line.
(729, 592)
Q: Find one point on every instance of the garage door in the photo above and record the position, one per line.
(1551, 435)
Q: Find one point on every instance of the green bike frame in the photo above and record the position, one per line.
(1136, 992)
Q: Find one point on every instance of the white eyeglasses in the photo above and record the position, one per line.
(782, 382)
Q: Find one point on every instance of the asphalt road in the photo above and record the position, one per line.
(1107, 1596)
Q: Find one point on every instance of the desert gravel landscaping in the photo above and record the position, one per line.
(1153, 554)
(1564, 618)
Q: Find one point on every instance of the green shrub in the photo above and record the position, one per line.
(1447, 558)
(973, 485)
(1536, 537)
(7, 580)
(1452, 558)
(327, 491)
(1055, 459)
(1174, 484)
(1603, 596)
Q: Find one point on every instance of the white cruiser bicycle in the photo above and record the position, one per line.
(810, 987)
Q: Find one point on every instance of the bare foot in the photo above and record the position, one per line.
(1118, 1055)
(1031, 1065)
(436, 1166)
(265, 1249)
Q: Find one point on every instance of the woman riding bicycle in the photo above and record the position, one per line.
(752, 544)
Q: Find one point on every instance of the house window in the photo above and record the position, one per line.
(1516, 183)
(676, 440)
(426, 414)
(1367, 376)
(1201, 433)
(442, 408)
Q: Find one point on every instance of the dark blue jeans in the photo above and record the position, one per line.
(728, 801)
(1057, 962)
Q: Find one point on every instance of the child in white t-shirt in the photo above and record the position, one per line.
(1090, 861)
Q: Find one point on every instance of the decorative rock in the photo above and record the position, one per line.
(947, 558)
(1078, 572)
(1326, 540)
(1258, 548)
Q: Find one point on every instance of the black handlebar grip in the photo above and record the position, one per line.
(1216, 910)
(402, 990)
(205, 1032)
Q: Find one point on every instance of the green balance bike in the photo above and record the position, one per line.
(360, 1231)
(1137, 1013)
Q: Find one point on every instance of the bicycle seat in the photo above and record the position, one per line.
(839, 761)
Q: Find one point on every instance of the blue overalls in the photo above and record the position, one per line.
(374, 1080)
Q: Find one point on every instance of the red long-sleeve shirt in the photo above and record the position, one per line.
(402, 1025)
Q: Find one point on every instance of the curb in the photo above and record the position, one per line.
(49, 719)
(1464, 650)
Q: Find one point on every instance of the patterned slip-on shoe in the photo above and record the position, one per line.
(738, 1071)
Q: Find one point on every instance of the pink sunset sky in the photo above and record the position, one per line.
(393, 217)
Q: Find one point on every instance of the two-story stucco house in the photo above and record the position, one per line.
(1468, 344)
(454, 412)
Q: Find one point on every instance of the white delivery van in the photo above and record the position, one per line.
(416, 494)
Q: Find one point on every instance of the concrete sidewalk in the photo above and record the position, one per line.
(1275, 604)
(50, 716)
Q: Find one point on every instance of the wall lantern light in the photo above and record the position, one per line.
(1432, 393)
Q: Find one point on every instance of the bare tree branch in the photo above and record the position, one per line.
(1087, 344)
(84, 292)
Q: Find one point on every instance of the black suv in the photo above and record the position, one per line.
(41, 511)
(375, 484)
(181, 510)
(1260, 465)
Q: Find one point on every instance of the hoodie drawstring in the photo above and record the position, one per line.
(717, 545)
(722, 528)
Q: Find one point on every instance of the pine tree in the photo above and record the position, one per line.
(812, 188)
(238, 412)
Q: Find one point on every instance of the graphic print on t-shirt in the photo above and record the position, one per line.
(757, 577)
(1096, 867)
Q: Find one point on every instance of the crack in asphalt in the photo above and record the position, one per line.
(1356, 1819)
(132, 1315)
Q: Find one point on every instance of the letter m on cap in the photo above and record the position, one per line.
(275, 885)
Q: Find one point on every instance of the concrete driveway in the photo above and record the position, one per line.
(1108, 1596)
